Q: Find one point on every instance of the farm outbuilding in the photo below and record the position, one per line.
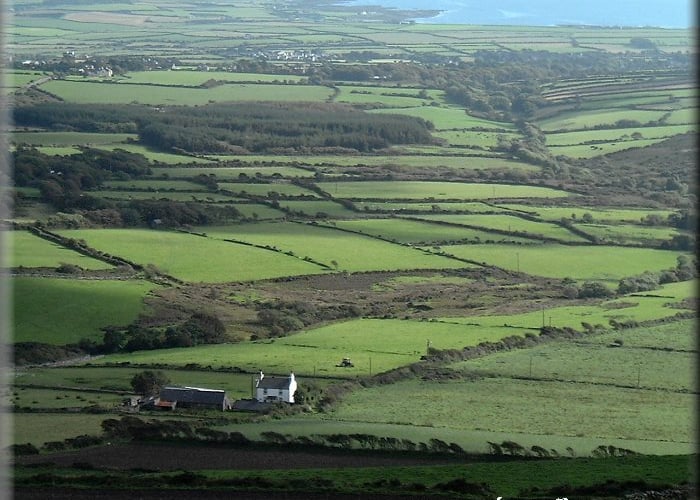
(275, 389)
(194, 397)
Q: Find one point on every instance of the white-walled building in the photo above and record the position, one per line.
(275, 389)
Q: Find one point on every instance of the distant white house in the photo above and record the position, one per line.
(275, 389)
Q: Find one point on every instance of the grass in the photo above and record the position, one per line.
(230, 173)
(62, 311)
(525, 406)
(39, 428)
(203, 196)
(155, 185)
(505, 222)
(69, 138)
(284, 189)
(351, 252)
(389, 206)
(29, 250)
(625, 234)
(589, 119)
(118, 379)
(121, 93)
(417, 232)
(599, 214)
(577, 262)
(421, 190)
(449, 118)
(589, 151)
(313, 208)
(157, 156)
(374, 346)
(653, 305)
(677, 335)
(196, 78)
(166, 250)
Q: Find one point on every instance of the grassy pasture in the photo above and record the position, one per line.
(405, 160)
(595, 364)
(196, 78)
(259, 211)
(59, 150)
(467, 138)
(230, 173)
(571, 121)
(608, 215)
(182, 255)
(421, 190)
(547, 409)
(69, 138)
(628, 233)
(29, 250)
(122, 93)
(203, 196)
(578, 262)
(62, 311)
(677, 335)
(505, 222)
(39, 428)
(408, 97)
(154, 185)
(416, 232)
(374, 345)
(156, 156)
(591, 150)
(20, 78)
(476, 440)
(284, 189)
(61, 399)
(449, 118)
(352, 252)
(389, 206)
(312, 208)
(616, 135)
(653, 305)
(236, 385)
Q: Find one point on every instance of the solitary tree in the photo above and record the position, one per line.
(149, 383)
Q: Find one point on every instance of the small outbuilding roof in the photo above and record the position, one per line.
(195, 395)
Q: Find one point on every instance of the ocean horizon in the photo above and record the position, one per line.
(628, 13)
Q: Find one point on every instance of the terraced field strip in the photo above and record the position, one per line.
(281, 188)
(69, 138)
(202, 196)
(421, 233)
(231, 173)
(450, 118)
(62, 311)
(577, 262)
(181, 255)
(599, 214)
(28, 250)
(422, 190)
(336, 249)
(510, 224)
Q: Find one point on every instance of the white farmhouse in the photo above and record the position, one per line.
(275, 389)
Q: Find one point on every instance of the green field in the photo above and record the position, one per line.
(69, 138)
(374, 345)
(197, 78)
(626, 234)
(231, 173)
(29, 250)
(510, 224)
(421, 233)
(324, 208)
(182, 255)
(155, 185)
(283, 189)
(449, 118)
(654, 305)
(350, 252)
(600, 214)
(39, 428)
(120, 93)
(527, 407)
(389, 206)
(421, 190)
(203, 196)
(577, 262)
(61, 311)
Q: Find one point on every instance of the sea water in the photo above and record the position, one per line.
(658, 13)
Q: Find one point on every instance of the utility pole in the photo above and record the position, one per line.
(530, 366)
(370, 366)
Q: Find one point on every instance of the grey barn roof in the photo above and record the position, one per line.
(193, 395)
(279, 383)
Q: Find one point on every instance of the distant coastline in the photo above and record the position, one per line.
(673, 14)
